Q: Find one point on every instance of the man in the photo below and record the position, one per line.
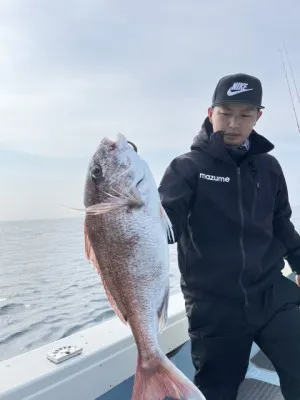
(228, 203)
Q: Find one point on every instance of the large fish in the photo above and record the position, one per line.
(126, 232)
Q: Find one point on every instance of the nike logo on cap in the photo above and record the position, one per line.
(237, 88)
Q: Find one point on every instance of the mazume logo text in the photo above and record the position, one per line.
(214, 178)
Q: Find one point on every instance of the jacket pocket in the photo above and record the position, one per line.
(204, 318)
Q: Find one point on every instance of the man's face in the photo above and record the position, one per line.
(235, 120)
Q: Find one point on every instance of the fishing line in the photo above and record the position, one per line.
(292, 74)
(290, 90)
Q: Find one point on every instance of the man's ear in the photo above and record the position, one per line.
(210, 113)
(259, 114)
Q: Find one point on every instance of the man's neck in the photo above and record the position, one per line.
(237, 153)
(244, 146)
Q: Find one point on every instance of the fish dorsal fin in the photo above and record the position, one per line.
(90, 254)
(167, 224)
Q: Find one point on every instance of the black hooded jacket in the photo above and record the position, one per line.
(231, 218)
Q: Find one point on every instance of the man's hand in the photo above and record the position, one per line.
(298, 280)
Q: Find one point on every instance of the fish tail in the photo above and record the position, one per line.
(159, 379)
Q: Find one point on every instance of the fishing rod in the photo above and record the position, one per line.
(297, 121)
(292, 74)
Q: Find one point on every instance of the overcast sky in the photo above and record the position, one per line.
(75, 71)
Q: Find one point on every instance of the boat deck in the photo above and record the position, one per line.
(257, 387)
(261, 381)
(105, 368)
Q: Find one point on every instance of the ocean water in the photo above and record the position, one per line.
(48, 290)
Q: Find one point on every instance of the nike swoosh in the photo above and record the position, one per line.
(232, 93)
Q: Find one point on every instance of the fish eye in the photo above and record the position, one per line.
(132, 145)
(96, 171)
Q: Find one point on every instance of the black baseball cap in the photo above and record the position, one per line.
(238, 88)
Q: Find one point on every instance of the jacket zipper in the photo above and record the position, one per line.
(255, 196)
(241, 236)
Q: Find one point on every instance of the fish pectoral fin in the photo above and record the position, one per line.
(103, 208)
(162, 313)
(167, 224)
(90, 254)
(132, 199)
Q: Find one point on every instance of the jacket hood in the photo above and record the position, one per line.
(213, 143)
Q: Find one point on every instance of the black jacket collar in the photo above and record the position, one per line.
(213, 143)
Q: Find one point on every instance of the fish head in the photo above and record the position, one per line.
(114, 168)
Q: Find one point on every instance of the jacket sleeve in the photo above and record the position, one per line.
(283, 227)
(176, 191)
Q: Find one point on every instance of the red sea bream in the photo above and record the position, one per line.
(126, 238)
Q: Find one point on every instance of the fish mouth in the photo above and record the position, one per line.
(107, 142)
(119, 141)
